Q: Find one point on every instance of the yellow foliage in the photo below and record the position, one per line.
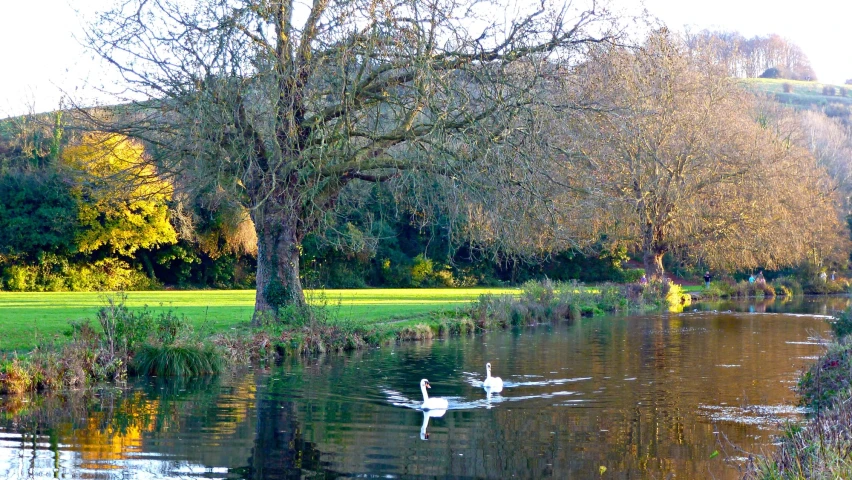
(677, 299)
(124, 200)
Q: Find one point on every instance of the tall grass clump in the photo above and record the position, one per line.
(173, 350)
(15, 377)
(176, 360)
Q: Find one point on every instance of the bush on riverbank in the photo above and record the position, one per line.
(787, 286)
(826, 287)
(544, 302)
(828, 378)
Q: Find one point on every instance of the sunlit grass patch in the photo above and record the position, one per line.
(27, 319)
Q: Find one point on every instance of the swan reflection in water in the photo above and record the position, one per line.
(427, 414)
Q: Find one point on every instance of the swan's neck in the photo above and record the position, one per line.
(488, 372)
(425, 395)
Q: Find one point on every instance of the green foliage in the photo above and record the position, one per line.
(276, 293)
(422, 271)
(827, 378)
(842, 325)
(633, 275)
(123, 329)
(15, 377)
(170, 360)
(817, 286)
(788, 285)
(717, 289)
(544, 302)
(53, 273)
(746, 289)
(38, 214)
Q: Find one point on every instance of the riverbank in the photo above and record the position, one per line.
(133, 342)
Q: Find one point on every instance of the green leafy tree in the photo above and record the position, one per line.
(38, 213)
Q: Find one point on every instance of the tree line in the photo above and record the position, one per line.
(325, 137)
(769, 56)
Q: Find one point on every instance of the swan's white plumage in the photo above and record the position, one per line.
(431, 403)
(492, 384)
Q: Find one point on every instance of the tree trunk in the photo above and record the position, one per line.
(653, 265)
(652, 252)
(278, 283)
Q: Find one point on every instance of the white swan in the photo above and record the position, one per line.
(492, 384)
(431, 403)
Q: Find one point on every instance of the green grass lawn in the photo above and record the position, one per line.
(803, 94)
(28, 318)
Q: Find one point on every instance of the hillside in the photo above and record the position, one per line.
(803, 94)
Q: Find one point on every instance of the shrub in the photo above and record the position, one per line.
(828, 90)
(842, 325)
(633, 275)
(827, 378)
(717, 289)
(20, 278)
(123, 330)
(53, 273)
(675, 297)
(788, 284)
(818, 286)
(788, 88)
(415, 332)
(421, 271)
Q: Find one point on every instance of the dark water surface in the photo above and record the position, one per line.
(641, 397)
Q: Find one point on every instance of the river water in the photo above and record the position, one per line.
(687, 395)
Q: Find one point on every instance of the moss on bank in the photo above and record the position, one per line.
(143, 343)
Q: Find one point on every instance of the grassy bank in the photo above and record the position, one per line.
(27, 319)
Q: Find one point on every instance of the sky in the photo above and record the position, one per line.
(42, 56)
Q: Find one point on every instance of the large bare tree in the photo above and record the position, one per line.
(282, 104)
(676, 157)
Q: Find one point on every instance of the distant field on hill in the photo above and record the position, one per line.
(28, 318)
(803, 93)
